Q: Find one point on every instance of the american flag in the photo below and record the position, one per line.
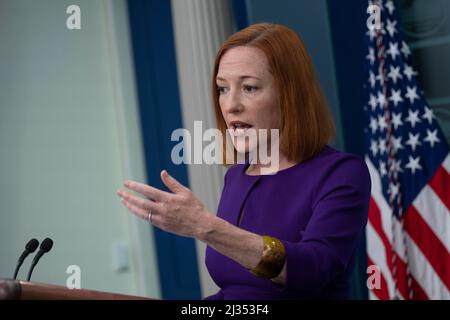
(408, 233)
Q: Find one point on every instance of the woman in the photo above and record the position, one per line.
(289, 234)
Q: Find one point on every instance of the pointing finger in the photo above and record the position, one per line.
(146, 190)
(144, 204)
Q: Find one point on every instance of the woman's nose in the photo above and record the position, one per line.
(233, 103)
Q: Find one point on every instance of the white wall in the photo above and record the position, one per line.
(69, 135)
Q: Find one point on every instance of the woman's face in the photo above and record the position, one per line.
(247, 94)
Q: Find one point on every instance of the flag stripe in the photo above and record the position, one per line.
(377, 195)
(382, 292)
(378, 256)
(435, 213)
(431, 247)
(425, 271)
(375, 220)
(425, 274)
(373, 296)
(419, 293)
(441, 185)
(446, 163)
(386, 212)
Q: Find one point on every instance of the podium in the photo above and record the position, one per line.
(23, 290)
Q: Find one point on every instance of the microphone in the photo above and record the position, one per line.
(30, 247)
(45, 247)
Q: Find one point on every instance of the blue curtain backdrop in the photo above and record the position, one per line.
(160, 114)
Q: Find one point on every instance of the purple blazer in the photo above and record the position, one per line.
(317, 208)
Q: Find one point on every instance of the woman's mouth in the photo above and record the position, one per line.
(238, 128)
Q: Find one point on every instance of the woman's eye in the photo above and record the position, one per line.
(221, 90)
(250, 89)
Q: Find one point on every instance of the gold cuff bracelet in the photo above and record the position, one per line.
(272, 260)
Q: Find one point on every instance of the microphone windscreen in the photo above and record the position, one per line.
(32, 245)
(46, 245)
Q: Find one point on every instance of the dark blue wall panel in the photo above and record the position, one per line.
(348, 26)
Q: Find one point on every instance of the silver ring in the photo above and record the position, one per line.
(149, 217)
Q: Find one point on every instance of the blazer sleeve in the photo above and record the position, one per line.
(339, 215)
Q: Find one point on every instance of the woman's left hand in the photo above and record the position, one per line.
(180, 212)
